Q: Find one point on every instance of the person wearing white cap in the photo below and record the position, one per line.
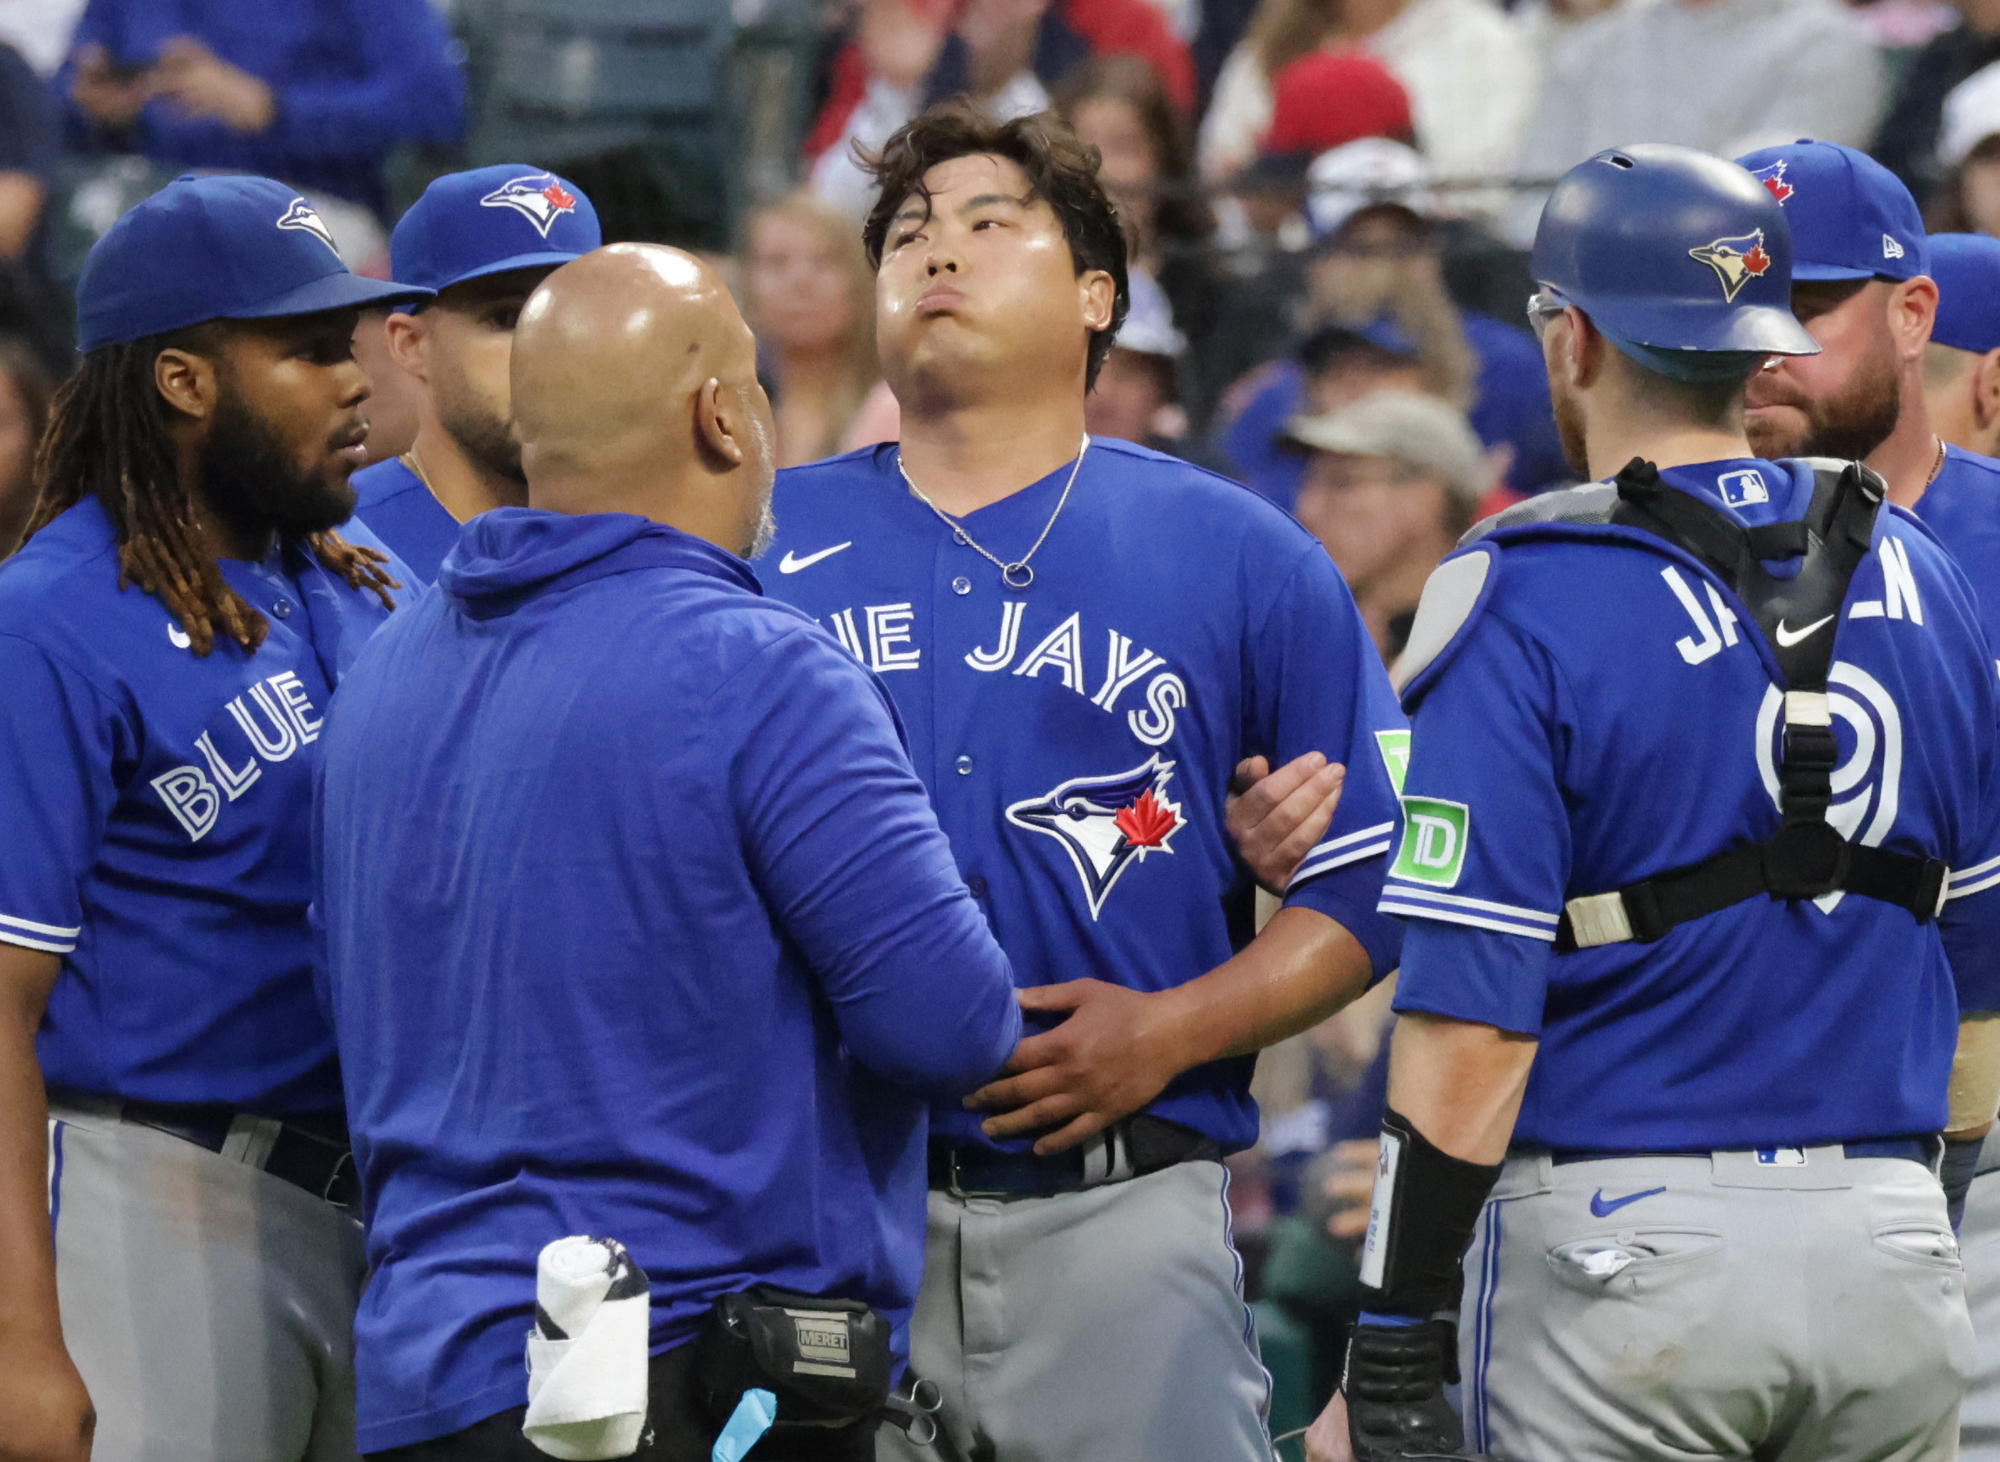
(1968, 152)
(1391, 482)
(1136, 398)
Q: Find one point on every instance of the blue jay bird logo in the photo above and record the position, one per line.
(539, 198)
(1106, 824)
(1735, 261)
(301, 218)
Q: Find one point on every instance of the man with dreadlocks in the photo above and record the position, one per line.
(170, 634)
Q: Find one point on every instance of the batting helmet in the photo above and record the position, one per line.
(1672, 250)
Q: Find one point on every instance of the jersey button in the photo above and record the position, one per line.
(977, 886)
(961, 585)
(964, 765)
(283, 609)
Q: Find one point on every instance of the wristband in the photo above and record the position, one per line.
(1420, 1223)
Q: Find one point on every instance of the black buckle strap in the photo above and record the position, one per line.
(315, 1156)
(1136, 1146)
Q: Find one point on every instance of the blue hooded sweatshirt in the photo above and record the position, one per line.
(638, 924)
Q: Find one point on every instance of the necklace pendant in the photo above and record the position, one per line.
(1009, 571)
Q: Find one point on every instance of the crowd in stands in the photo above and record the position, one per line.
(1327, 202)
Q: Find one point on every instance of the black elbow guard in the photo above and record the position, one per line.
(1420, 1224)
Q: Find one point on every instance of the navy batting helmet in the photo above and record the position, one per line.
(1677, 252)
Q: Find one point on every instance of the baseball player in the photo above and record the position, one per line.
(1699, 828)
(1963, 510)
(1084, 638)
(1863, 287)
(170, 634)
(482, 240)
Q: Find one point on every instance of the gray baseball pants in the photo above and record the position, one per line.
(208, 1305)
(1795, 1306)
(1100, 1326)
(1979, 1237)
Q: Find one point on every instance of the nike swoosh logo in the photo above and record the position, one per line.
(178, 636)
(1789, 637)
(791, 563)
(1603, 1209)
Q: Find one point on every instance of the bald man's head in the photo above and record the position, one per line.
(635, 391)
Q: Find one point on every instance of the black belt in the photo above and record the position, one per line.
(312, 1153)
(1128, 1149)
(1922, 1150)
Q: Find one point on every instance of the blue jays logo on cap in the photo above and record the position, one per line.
(1106, 824)
(1735, 261)
(1773, 179)
(539, 198)
(300, 216)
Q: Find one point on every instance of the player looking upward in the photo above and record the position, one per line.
(482, 240)
(1083, 638)
(169, 637)
(1698, 886)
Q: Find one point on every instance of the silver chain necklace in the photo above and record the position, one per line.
(1014, 575)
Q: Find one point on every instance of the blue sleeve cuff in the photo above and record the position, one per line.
(1348, 897)
(1474, 975)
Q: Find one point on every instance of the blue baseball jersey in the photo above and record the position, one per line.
(1608, 711)
(1963, 509)
(157, 809)
(397, 507)
(674, 953)
(1078, 737)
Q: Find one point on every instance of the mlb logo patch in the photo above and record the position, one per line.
(539, 198)
(1781, 1157)
(1740, 489)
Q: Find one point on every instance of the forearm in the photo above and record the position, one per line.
(28, 1313)
(1302, 968)
(1460, 1084)
(1975, 1077)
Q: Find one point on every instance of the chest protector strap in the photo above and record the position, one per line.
(1807, 857)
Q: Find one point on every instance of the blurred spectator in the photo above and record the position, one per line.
(1968, 149)
(810, 296)
(40, 30)
(392, 394)
(30, 146)
(1545, 24)
(905, 55)
(1377, 271)
(25, 389)
(1908, 142)
(1118, 105)
(315, 92)
(1728, 76)
(1137, 397)
(1321, 101)
(1469, 73)
(1391, 482)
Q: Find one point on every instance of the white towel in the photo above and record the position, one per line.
(588, 1351)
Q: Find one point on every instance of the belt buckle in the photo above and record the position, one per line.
(959, 1190)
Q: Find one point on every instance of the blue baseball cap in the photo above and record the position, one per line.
(488, 221)
(1967, 270)
(216, 248)
(1851, 217)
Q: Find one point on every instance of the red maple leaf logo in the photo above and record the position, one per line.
(1146, 823)
(1780, 189)
(559, 197)
(1756, 261)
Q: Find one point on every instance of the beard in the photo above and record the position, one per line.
(483, 436)
(254, 483)
(1847, 426)
(766, 532)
